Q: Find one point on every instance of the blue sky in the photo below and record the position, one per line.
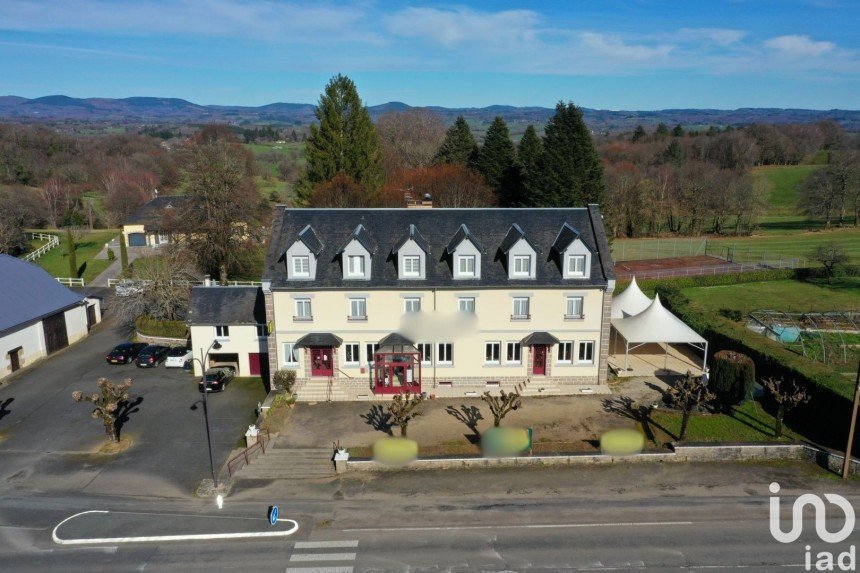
(608, 54)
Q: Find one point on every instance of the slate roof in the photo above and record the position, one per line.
(566, 236)
(151, 214)
(461, 235)
(28, 294)
(544, 338)
(309, 237)
(489, 227)
(214, 305)
(413, 234)
(360, 234)
(319, 339)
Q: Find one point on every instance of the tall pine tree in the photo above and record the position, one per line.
(345, 142)
(495, 160)
(529, 153)
(570, 173)
(459, 146)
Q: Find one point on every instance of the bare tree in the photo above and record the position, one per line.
(501, 405)
(786, 396)
(820, 195)
(687, 394)
(409, 139)
(54, 198)
(107, 402)
(162, 286)
(830, 255)
(403, 408)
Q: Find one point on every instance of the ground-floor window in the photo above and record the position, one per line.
(513, 354)
(370, 351)
(564, 352)
(351, 354)
(291, 354)
(586, 352)
(426, 350)
(445, 353)
(492, 352)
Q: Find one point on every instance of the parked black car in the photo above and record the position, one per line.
(124, 353)
(216, 378)
(152, 356)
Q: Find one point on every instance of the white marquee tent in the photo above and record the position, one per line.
(656, 324)
(630, 302)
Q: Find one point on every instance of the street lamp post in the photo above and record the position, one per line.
(204, 386)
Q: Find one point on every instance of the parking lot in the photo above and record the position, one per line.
(50, 442)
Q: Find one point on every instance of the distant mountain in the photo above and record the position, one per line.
(174, 110)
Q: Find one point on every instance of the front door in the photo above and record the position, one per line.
(321, 361)
(56, 336)
(15, 359)
(539, 365)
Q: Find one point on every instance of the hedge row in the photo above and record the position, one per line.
(164, 328)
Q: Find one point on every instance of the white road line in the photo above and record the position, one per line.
(319, 569)
(325, 544)
(533, 526)
(323, 557)
(157, 538)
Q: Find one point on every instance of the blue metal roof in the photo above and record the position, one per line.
(28, 293)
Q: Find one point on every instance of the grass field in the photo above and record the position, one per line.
(747, 422)
(56, 261)
(787, 296)
(783, 183)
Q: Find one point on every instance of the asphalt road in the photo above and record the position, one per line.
(47, 441)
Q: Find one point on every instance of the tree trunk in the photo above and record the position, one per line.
(496, 421)
(684, 420)
(403, 430)
(780, 414)
(110, 430)
(222, 274)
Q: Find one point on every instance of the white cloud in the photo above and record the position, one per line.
(799, 46)
(719, 36)
(463, 26)
(612, 46)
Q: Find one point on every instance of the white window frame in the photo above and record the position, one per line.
(300, 261)
(370, 349)
(413, 302)
(493, 352)
(572, 268)
(572, 299)
(519, 300)
(564, 348)
(426, 350)
(518, 262)
(518, 347)
(351, 271)
(583, 344)
(264, 329)
(461, 259)
(408, 262)
(353, 348)
(466, 301)
(352, 302)
(443, 357)
(290, 351)
(222, 332)
(300, 302)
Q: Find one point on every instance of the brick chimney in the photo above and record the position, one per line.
(425, 202)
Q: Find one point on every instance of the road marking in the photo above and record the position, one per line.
(319, 569)
(22, 527)
(532, 526)
(325, 544)
(323, 557)
(155, 538)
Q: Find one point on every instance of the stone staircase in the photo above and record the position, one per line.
(290, 463)
(318, 390)
(541, 388)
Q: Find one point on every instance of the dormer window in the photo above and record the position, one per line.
(522, 265)
(355, 265)
(301, 266)
(576, 265)
(411, 266)
(466, 265)
(410, 254)
(464, 252)
(520, 253)
(571, 253)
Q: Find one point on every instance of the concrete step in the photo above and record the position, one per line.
(290, 463)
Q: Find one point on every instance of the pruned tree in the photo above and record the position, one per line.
(830, 255)
(787, 396)
(501, 405)
(687, 394)
(106, 403)
(403, 409)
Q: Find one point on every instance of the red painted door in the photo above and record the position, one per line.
(321, 361)
(539, 363)
(254, 363)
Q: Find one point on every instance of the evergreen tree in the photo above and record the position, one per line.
(673, 153)
(459, 145)
(123, 252)
(345, 142)
(529, 153)
(570, 173)
(495, 160)
(677, 131)
(73, 259)
(638, 134)
(662, 131)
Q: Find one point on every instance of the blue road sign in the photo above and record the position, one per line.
(273, 515)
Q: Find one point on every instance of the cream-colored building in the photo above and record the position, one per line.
(366, 303)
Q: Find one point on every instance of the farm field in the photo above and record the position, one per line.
(91, 243)
(783, 184)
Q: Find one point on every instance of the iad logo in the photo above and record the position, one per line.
(825, 560)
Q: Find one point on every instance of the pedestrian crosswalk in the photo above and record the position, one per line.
(318, 562)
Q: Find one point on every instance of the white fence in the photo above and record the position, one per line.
(113, 282)
(53, 241)
(70, 281)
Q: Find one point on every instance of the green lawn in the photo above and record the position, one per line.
(56, 262)
(783, 183)
(746, 423)
(787, 296)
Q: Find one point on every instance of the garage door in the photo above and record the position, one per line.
(258, 364)
(56, 336)
(136, 240)
(225, 360)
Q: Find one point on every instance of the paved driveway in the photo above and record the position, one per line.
(48, 442)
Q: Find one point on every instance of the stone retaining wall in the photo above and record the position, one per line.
(163, 340)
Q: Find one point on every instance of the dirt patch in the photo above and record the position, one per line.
(113, 448)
